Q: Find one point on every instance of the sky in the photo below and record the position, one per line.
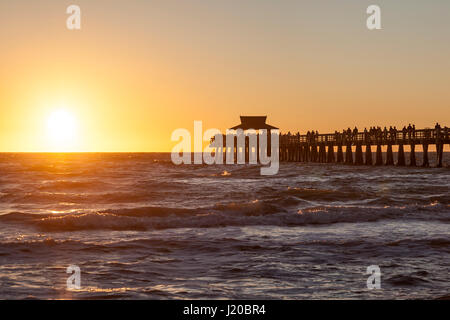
(139, 69)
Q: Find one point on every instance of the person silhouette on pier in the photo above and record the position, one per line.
(355, 133)
(437, 130)
(349, 134)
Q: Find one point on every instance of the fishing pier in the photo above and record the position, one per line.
(346, 147)
(329, 148)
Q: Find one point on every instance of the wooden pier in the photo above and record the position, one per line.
(321, 147)
(346, 147)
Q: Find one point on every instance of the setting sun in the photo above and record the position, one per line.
(62, 129)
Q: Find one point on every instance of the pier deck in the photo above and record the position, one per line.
(321, 147)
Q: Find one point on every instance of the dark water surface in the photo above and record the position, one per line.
(140, 227)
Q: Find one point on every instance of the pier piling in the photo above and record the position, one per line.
(348, 154)
(389, 155)
(440, 154)
(412, 155)
(379, 156)
(359, 154)
(330, 156)
(401, 155)
(425, 162)
(340, 154)
(368, 155)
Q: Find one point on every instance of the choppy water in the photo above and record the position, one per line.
(140, 227)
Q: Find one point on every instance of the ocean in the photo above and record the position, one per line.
(140, 227)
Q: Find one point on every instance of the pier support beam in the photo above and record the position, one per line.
(425, 162)
(412, 155)
(348, 154)
(358, 154)
(235, 150)
(257, 148)
(319, 154)
(307, 153)
(323, 153)
(247, 146)
(440, 153)
(389, 155)
(368, 155)
(314, 153)
(401, 155)
(340, 154)
(379, 156)
(320, 157)
(330, 156)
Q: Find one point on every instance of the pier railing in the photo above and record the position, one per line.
(371, 137)
(315, 147)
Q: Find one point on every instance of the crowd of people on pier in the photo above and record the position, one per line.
(373, 134)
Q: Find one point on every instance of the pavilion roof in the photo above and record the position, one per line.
(253, 122)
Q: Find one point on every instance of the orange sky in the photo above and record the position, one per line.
(140, 69)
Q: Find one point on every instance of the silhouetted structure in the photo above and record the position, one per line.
(255, 123)
(314, 147)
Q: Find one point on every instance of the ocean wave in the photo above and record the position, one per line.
(80, 197)
(226, 214)
(435, 243)
(406, 280)
(158, 246)
(69, 185)
(325, 194)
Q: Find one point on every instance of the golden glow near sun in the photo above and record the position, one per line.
(62, 130)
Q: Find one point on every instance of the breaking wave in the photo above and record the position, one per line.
(225, 214)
